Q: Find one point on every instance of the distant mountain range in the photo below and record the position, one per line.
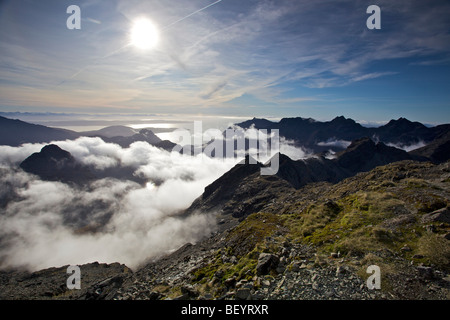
(367, 148)
(322, 136)
(16, 132)
(313, 135)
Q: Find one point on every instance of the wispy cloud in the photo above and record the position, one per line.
(212, 55)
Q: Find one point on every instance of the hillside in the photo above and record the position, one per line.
(317, 242)
(314, 242)
(16, 132)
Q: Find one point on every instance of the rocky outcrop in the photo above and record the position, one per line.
(97, 281)
(266, 262)
(55, 164)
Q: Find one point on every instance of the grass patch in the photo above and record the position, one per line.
(350, 225)
(435, 249)
(252, 231)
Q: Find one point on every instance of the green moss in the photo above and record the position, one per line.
(350, 225)
(252, 231)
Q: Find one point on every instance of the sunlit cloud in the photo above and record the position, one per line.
(49, 223)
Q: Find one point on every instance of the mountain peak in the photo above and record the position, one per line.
(54, 163)
(404, 123)
(249, 160)
(342, 119)
(54, 151)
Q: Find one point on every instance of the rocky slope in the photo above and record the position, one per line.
(98, 281)
(243, 190)
(315, 242)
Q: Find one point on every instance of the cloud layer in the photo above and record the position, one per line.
(48, 224)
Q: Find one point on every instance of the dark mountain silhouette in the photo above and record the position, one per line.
(437, 151)
(143, 135)
(16, 132)
(319, 136)
(242, 189)
(54, 163)
(111, 131)
(403, 131)
(125, 136)
(362, 155)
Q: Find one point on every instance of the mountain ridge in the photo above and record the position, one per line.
(227, 194)
(310, 133)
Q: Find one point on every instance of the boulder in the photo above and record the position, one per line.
(266, 262)
(243, 294)
(441, 215)
(426, 272)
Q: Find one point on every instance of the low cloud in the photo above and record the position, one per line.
(48, 223)
(409, 147)
(343, 144)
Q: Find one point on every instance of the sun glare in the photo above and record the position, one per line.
(144, 34)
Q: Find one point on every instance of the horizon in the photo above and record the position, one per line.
(160, 123)
(226, 58)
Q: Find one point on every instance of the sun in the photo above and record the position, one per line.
(144, 34)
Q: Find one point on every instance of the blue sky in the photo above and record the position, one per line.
(261, 58)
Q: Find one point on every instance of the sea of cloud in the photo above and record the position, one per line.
(49, 223)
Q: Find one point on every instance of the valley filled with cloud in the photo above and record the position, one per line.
(127, 220)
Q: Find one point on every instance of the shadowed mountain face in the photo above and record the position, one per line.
(16, 132)
(437, 151)
(54, 163)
